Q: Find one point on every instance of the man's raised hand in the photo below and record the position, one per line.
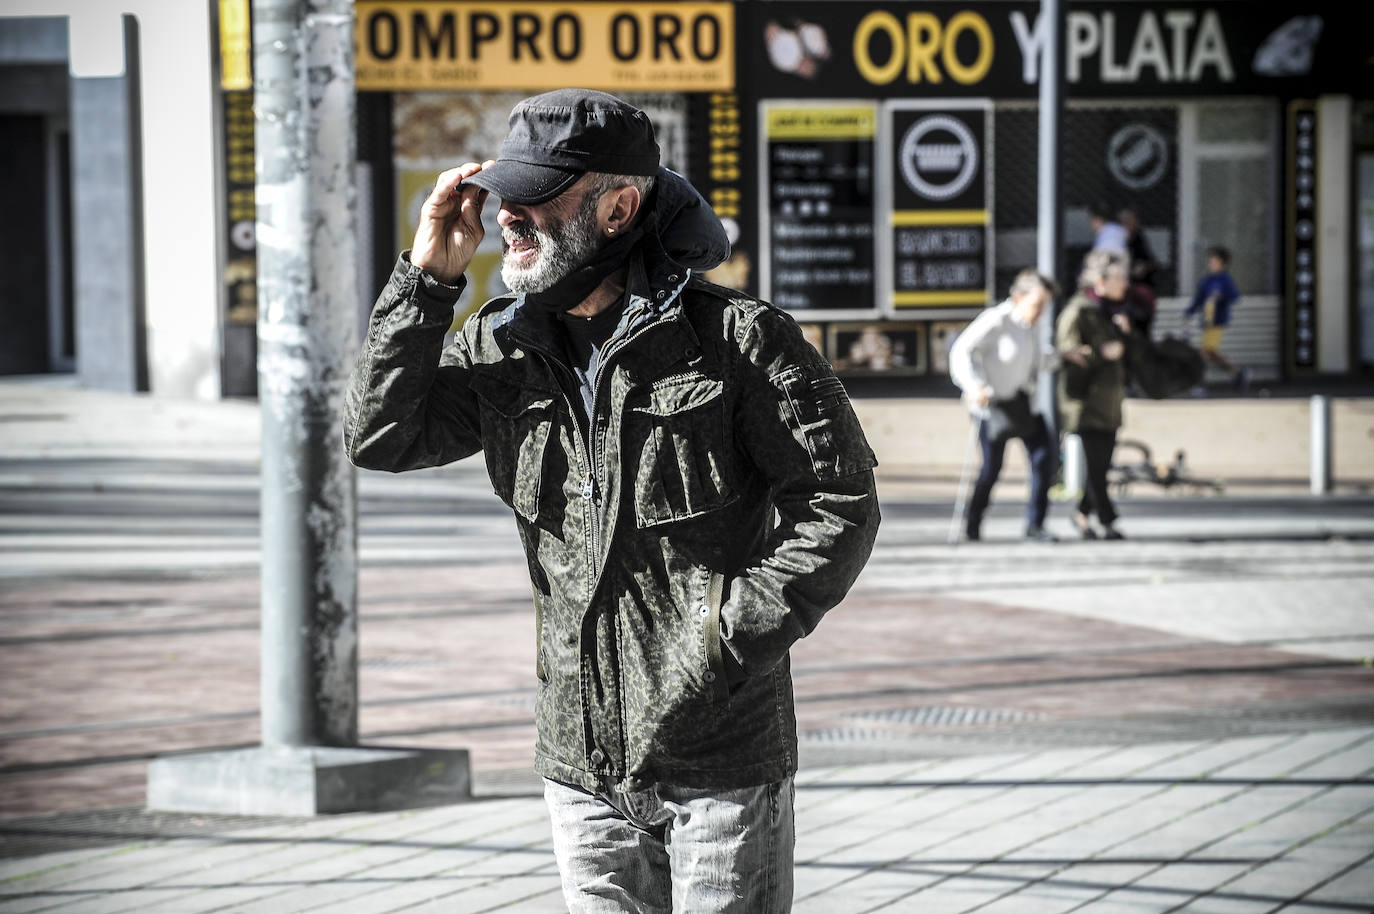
(450, 225)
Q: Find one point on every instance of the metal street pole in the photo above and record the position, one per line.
(307, 250)
(1050, 222)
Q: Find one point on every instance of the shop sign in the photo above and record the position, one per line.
(1138, 156)
(993, 49)
(533, 46)
(818, 204)
(941, 203)
(235, 46)
(238, 228)
(723, 139)
(1302, 234)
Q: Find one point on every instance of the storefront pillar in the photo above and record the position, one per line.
(1334, 192)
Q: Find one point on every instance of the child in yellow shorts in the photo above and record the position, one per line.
(1212, 302)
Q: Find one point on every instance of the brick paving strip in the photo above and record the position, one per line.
(102, 675)
(1244, 825)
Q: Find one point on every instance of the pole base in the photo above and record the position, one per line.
(308, 781)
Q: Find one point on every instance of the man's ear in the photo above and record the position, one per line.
(625, 203)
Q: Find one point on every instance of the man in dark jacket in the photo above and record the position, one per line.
(689, 481)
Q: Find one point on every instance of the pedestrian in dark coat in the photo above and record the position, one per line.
(1093, 380)
(688, 478)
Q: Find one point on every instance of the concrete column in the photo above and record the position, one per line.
(309, 761)
(307, 297)
(107, 225)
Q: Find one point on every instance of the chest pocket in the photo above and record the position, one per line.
(516, 425)
(679, 435)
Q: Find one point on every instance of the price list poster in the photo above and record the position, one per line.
(817, 160)
(939, 252)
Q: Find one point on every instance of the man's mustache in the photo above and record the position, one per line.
(519, 233)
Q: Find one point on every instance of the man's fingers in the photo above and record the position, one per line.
(447, 184)
(471, 200)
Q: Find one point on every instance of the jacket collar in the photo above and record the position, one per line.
(653, 286)
(681, 234)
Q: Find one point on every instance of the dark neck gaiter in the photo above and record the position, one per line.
(571, 290)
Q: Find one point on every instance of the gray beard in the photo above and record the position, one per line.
(562, 249)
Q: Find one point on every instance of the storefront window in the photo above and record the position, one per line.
(1236, 190)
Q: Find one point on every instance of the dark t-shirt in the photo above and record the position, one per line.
(583, 340)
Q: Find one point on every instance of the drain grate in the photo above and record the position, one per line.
(898, 724)
(946, 716)
(398, 663)
(844, 735)
(525, 701)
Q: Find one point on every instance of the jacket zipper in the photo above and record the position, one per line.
(587, 446)
(588, 463)
(585, 461)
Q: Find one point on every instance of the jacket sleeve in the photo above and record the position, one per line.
(408, 402)
(796, 425)
(966, 355)
(1072, 331)
(1229, 293)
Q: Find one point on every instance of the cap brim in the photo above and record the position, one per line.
(522, 182)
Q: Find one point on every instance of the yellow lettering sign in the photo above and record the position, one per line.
(235, 45)
(822, 123)
(923, 47)
(545, 45)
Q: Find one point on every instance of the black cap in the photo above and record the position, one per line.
(557, 137)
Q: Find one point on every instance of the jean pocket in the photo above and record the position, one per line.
(683, 464)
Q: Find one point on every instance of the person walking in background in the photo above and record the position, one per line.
(1216, 295)
(1140, 294)
(995, 362)
(1093, 378)
(688, 478)
(1108, 234)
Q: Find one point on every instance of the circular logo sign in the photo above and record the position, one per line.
(1137, 156)
(939, 157)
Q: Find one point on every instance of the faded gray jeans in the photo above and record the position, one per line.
(674, 850)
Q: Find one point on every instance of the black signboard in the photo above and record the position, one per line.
(820, 204)
(722, 148)
(940, 48)
(1302, 235)
(239, 333)
(940, 204)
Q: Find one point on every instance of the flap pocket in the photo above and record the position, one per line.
(507, 399)
(681, 438)
(679, 395)
(516, 424)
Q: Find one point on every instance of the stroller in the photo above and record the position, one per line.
(1162, 368)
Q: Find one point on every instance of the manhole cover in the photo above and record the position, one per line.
(397, 663)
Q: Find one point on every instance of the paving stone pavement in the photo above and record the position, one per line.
(1184, 722)
(1268, 823)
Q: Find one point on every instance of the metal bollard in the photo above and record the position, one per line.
(1075, 467)
(1320, 446)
